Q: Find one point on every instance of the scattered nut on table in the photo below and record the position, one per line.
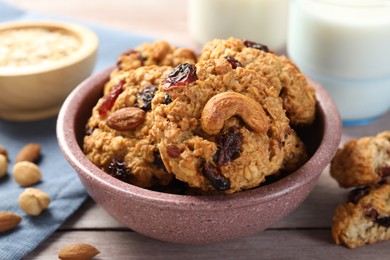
(3, 165)
(3, 151)
(26, 173)
(81, 251)
(8, 221)
(30, 152)
(33, 201)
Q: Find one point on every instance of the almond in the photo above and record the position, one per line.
(8, 221)
(3, 151)
(3, 165)
(81, 251)
(125, 119)
(29, 152)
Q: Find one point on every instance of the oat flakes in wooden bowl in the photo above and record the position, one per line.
(40, 64)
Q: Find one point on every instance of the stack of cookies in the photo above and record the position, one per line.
(363, 164)
(219, 122)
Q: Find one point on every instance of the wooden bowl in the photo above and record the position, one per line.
(37, 91)
(195, 219)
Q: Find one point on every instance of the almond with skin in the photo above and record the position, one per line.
(8, 221)
(29, 152)
(126, 119)
(3, 151)
(3, 165)
(81, 251)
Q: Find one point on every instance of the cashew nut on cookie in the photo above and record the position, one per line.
(228, 104)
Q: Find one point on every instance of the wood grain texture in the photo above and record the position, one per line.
(272, 244)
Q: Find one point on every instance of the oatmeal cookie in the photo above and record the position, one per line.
(283, 77)
(363, 161)
(365, 218)
(118, 139)
(218, 127)
(159, 53)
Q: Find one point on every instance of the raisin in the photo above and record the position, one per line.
(229, 146)
(356, 194)
(374, 215)
(384, 171)
(130, 52)
(110, 98)
(216, 179)
(182, 75)
(385, 221)
(117, 169)
(167, 99)
(146, 95)
(233, 62)
(256, 45)
(173, 150)
(371, 213)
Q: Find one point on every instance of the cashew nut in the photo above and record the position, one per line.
(225, 105)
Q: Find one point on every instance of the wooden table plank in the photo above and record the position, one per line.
(271, 244)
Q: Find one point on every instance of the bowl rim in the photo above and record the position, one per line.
(88, 45)
(67, 141)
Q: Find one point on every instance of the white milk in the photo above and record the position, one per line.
(345, 45)
(263, 21)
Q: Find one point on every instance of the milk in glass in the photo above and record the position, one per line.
(263, 21)
(345, 46)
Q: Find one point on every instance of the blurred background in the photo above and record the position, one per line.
(166, 20)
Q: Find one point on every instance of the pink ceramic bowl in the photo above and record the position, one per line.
(194, 219)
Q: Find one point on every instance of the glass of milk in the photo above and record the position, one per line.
(262, 21)
(345, 46)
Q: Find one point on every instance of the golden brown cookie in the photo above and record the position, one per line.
(158, 53)
(363, 161)
(283, 77)
(365, 218)
(222, 129)
(118, 139)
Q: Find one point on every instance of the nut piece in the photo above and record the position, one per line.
(30, 152)
(26, 173)
(80, 251)
(225, 105)
(33, 201)
(3, 151)
(3, 165)
(8, 221)
(125, 119)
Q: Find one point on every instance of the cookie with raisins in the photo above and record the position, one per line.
(365, 218)
(363, 161)
(158, 53)
(128, 151)
(284, 78)
(223, 129)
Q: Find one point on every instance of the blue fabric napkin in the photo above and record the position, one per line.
(59, 179)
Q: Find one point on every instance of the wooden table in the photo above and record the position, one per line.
(305, 234)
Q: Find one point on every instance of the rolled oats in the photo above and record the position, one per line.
(33, 46)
